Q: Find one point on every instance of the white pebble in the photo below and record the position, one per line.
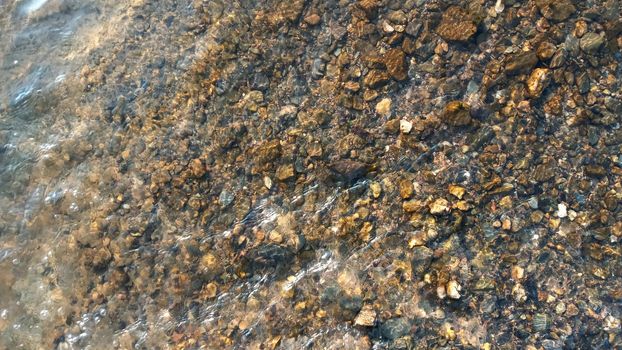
(561, 210)
(405, 126)
(267, 182)
(499, 6)
(453, 289)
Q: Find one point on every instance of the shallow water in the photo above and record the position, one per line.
(310, 174)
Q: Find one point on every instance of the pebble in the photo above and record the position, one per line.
(540, 322)
(369, 6)
(580, 28)
(412, 206)
(545, 50)
(225, 198)
(313, 19)
(533, 202)
(457, 191)
(285, 172)
(439, 206)
(376, 78)
(457, 113)
(267, 181)
(387, 27)
(538, 80)
(210, 290)
(349, 170)
(556, 10)
(275, 236)
(405, 126)
(506, 224)
(519, 293)
(517, 273)
(441, 292)
(366, 317)
(395, 61)
(453, 290)
(520, 63)
(591, 42)
(422, 257)
(561, 210)
(406, 188)
(572, 310)
(499, 6)
(456, 25)
(383, 107)
(376, 189)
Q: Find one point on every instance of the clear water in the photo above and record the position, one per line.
(133, 213)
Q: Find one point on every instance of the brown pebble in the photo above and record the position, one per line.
(406, 188)
(457, 113)
(313, 19)
(395, 61)
(456, 25)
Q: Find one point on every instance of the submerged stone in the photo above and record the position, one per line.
(456, 25)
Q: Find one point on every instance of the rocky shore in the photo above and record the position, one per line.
(327, 174)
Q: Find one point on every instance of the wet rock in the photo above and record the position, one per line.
(392, 126)
(395, 61)
(456, 25)
(453, 289)
(267, 181)
(457, 191)
(556, 10)
(267, 153)
(405, 126)
(406, 188)
(318, 67)
(370, 7)
(558, 60)
(538, 80)
(366, 317)
(595, 170)
(376, 189)
(457, 113)
(545, 50)
(383, 107)
(583, 83)
(521, 63)
(197, 168)
(260, 82)
(376, 78)
(270, 255)
(614, 138)
(422, 257)
(481, 138)
(540, 322)
(287, 11)
(413, 28)
(544, 172)
(313, 19)
(395, 328)
(285, 172)
(439, 206)
(349, 170)
(226, 198)
(591, 42)
(533, 202)
(412, 206)
(349, 306)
